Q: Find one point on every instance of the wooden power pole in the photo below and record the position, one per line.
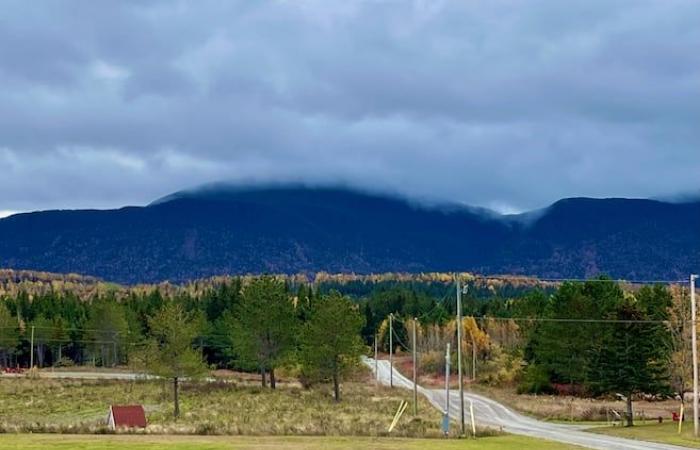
(694, 339)
(31, 356)
(459, 355)
(391, 350)
(415, 381)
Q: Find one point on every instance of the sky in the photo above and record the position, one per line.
(509, 105)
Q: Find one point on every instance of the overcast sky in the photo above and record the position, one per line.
(504, 104)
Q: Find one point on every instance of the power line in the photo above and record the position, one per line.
(572, 280)
(570, 320)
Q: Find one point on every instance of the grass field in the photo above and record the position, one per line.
(555, 408)
(563, 408)
(131, 442)
(666, 433)
(231, 408)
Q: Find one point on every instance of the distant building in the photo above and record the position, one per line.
(130, 416)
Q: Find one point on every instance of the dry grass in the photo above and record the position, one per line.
(80, 406)
(563, 408)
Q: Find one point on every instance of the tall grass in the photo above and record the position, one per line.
(81, 406)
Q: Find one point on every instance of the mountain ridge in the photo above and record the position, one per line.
(189, 235)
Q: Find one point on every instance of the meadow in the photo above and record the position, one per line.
(228, 407)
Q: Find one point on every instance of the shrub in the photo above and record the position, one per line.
(432, 362)
(535, 381)
(501, 368)
(64, 362)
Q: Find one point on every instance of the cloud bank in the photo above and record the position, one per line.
(503, 104)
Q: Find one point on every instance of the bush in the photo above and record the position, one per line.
(432, 362)
(64, 362)
(535, 381)
(501, 368)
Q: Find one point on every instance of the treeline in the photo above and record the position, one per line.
(591, 338)
(259, 325)
(588, 338)
(78, 322)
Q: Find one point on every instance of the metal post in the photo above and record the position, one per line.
(446, 416)
(31, 357)
(415, 381)
(694, 338)
(391, 350)
(459, 356)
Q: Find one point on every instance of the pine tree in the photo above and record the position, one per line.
(631, 362)
(331, 341)
(169, 353)
(9, 334)
(263, 327)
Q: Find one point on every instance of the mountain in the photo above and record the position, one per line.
(290, 229)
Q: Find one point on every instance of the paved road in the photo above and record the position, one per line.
(491, 413)
(83, 375)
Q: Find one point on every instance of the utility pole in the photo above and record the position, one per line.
(415, 381)
(114, 348)
(31, 357)
(459, 355)
(446, 417)
(391, 350)
(473, 359)
(376, 361)
(694, 337)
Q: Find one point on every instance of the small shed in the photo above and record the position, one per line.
(126, 416)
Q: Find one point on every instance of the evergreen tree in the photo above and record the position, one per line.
(570, 343)
(43, 329)
(107, 330)
(58, 337)
(169, 352)
(9, 334)
(631, 363)
(331, 341)
(263, 327)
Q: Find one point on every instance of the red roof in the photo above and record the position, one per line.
(129, 416)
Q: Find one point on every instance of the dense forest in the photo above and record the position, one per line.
(292, 229)
(597, 337)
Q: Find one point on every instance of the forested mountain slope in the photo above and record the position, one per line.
(297, 229)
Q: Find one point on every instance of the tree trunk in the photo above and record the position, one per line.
(273, 380)
(630, 417)
(40, 354)
(262, 376)
(336, 386)
(176, 397)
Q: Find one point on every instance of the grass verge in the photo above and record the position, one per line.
(565, 408)
(666, 433)
(130, 442)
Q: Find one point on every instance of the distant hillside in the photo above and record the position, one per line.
(295, 229)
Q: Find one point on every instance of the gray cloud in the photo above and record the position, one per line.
(503, 104)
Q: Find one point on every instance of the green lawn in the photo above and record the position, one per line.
(127, 442)
(666, 433)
